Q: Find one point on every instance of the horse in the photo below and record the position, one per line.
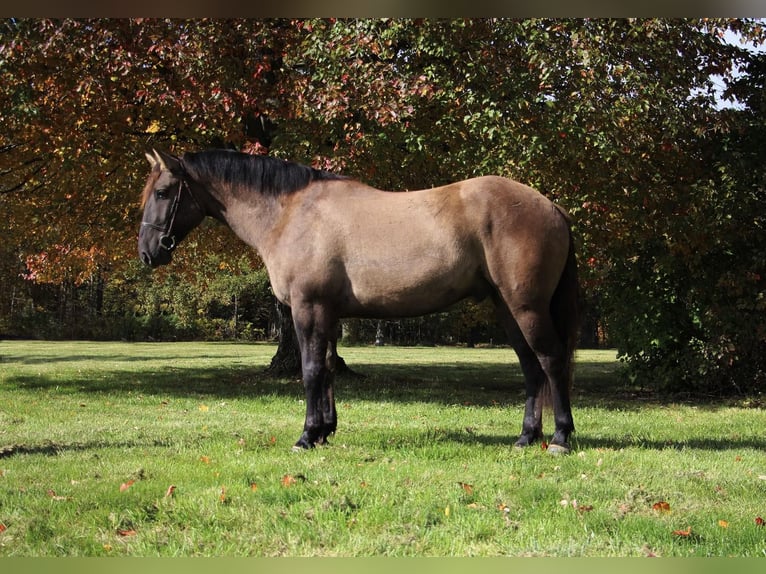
(336, 248)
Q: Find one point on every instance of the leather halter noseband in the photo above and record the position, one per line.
(168, 241)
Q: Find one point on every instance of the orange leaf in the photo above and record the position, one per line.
(288, 480)
(253, 486)
(544, 445)
(759, 521)
(222, 497)
(127, 532)
(661, 506)
(467, 487)
(126, 485)
(3, 527)
(683, 533)
(723, 524)
(205, 459)
(170, 491)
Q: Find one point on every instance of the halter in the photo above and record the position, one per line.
(167, 241)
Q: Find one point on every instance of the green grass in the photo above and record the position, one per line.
(92, 436)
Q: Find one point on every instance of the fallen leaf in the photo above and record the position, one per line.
(170, 491)
(544, 445)
(204, 408)
(759, 521)
(222, 497)
(126, 485)
(54, 496)
(288, 480)
(723, 524)
(683, 533)
(3, 527)
(126, 532)
(624, 509)
(205, 459)
(661, 506)
(467, 487)
(584, 508)
(253, 486)
(446, 511)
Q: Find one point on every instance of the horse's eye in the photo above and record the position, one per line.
(161, 194)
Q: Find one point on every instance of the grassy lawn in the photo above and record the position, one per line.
(117, 449)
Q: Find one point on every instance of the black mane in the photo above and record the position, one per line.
(265, 174)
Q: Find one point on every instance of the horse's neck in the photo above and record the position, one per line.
(248, 213)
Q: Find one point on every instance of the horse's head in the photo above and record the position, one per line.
(170, 210)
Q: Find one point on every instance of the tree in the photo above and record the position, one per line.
(617, 120)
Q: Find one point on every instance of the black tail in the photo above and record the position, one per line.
(565, 306)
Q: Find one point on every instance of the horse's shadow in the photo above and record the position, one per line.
(584, 442)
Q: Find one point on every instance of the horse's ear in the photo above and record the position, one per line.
(167, 161)
(152, 159)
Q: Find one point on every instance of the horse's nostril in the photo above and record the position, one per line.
(146, 258)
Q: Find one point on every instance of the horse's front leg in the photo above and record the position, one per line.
(316, 338)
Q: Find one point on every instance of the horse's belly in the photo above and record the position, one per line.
(399, 288)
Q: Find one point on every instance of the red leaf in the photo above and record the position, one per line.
(126, 485)
(3, 528)
(759, 521)
(127, 532)
(467, 487)
(661, 506)
(170, 491)
(544, 445)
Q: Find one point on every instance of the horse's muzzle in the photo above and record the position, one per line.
(162, 258)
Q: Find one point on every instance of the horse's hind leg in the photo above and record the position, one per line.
(543, 360)
(535, 379)
(540, 333)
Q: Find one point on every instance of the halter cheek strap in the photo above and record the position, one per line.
(168, 241)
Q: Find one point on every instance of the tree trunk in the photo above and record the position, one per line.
(286, 362)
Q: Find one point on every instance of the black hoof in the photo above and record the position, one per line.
(304, 443)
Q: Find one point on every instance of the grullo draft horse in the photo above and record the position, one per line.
(336, 248)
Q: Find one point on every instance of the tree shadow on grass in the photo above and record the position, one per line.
(597, 384)
(472, 385)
